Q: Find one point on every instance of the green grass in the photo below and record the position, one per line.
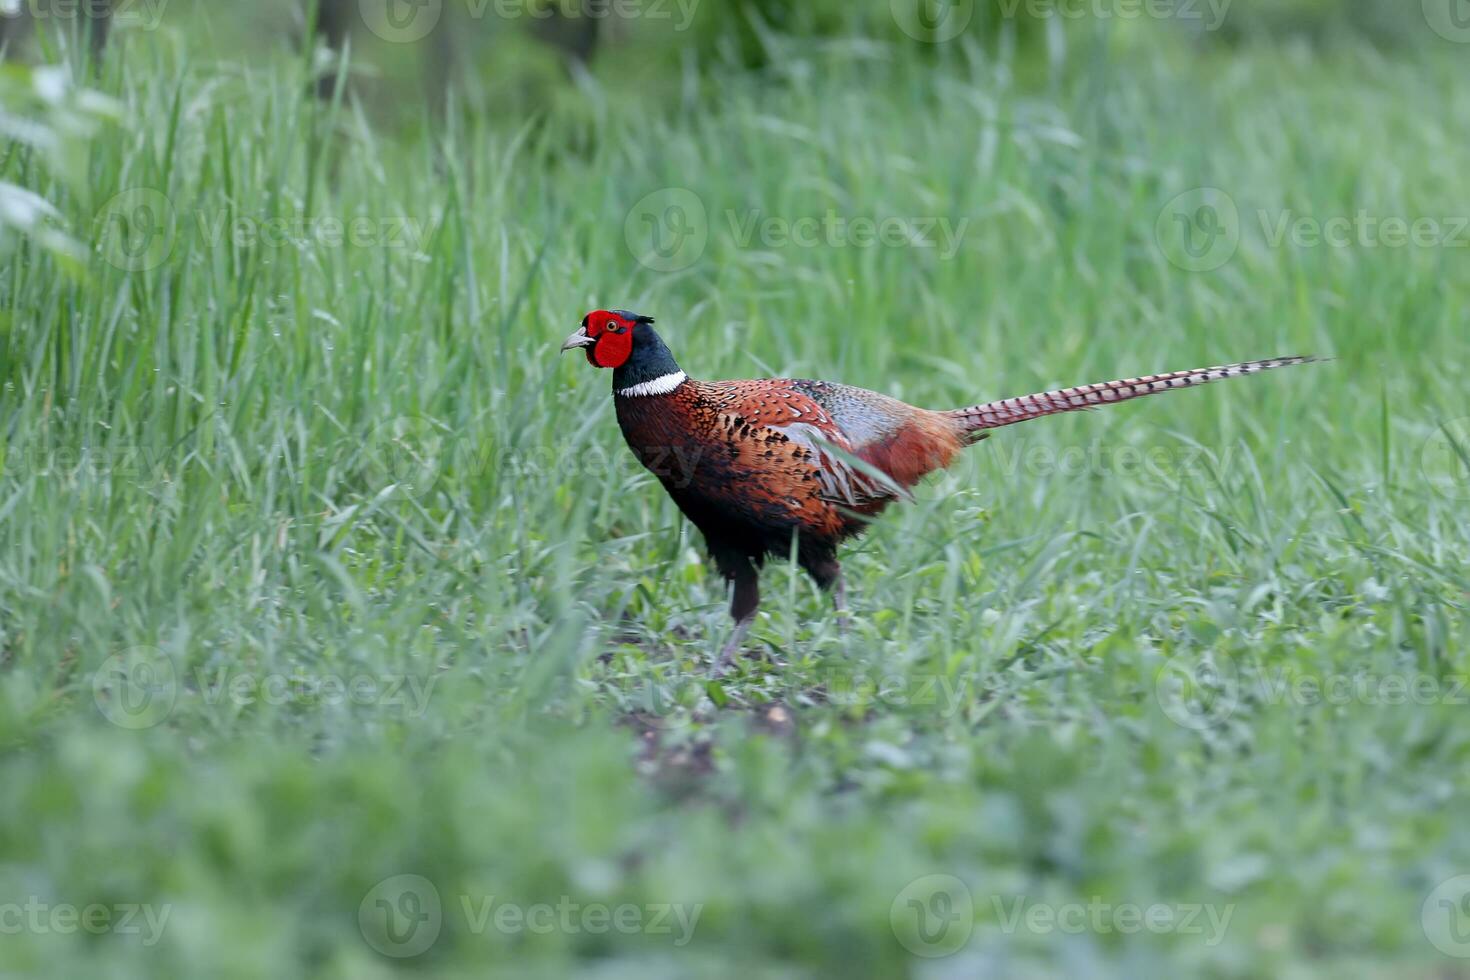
(260, 460)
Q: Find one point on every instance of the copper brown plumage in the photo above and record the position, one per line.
(758, 465)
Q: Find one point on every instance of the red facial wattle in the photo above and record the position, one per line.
(614, 342)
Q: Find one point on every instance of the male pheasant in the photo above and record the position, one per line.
(752, 463)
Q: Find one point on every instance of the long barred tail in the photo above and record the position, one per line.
(1009, 411)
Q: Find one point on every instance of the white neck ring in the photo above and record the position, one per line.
(658, 386)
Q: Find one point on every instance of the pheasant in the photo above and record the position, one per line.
(754, 463)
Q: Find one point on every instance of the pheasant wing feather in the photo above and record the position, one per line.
(819, 442)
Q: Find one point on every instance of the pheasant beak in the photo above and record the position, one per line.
(578, 339)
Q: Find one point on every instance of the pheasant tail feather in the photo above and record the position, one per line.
(992, 415)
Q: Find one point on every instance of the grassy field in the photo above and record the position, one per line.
(342, 637)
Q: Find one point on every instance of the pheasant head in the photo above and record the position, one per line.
(626, 343)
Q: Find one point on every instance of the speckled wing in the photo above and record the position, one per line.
(791, 428)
